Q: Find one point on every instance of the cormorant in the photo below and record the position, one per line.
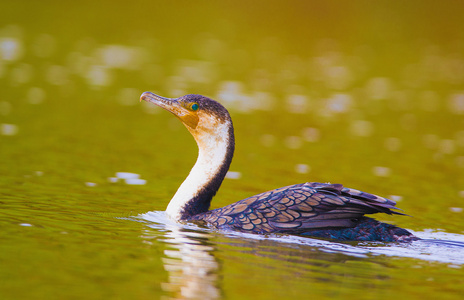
(313, 209)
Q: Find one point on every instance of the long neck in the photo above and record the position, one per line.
(214, 158)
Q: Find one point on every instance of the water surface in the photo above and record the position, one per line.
(368, 96)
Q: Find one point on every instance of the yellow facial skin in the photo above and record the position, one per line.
(186, 112)
(191, 117)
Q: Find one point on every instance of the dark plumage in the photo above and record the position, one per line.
(314, 209)
(305, 209)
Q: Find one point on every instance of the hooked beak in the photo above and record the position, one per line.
(173, 106)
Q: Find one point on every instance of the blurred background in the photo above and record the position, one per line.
(377, 86)
(263, 49)
(365, 93)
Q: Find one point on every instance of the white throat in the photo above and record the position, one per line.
(213, 146)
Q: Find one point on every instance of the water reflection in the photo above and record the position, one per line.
(204, 264)
(193, 270)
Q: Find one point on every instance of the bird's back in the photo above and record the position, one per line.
(299, 209)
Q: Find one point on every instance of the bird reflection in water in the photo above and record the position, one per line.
(193, 271)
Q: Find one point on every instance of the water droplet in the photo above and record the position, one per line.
(447, 146)
(297, 104)
(454, 266)
(456, 103)
(8, 129)
(456, 209)
(10, 49)
(135, 181)
(338, 77)
(381, 171)
(122, 57)
(90, 184)
(233, 175)
(311, 134)
(395, 198)
(262, 100)
(302, 168)
(98, 76)
(127, 175)
(232, 96)
(339, 103)
(113, 179)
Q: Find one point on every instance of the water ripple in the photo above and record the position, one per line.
(435, 246)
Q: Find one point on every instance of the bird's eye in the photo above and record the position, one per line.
(194, 106)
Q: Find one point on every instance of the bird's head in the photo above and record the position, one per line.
(201, 115)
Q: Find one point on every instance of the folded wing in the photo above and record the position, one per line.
(298, 208)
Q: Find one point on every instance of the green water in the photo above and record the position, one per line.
(371, 96)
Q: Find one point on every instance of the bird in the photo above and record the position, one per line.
(310, 209)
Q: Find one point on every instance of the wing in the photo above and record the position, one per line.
(298, 208)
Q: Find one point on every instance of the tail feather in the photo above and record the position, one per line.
(366, 229)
